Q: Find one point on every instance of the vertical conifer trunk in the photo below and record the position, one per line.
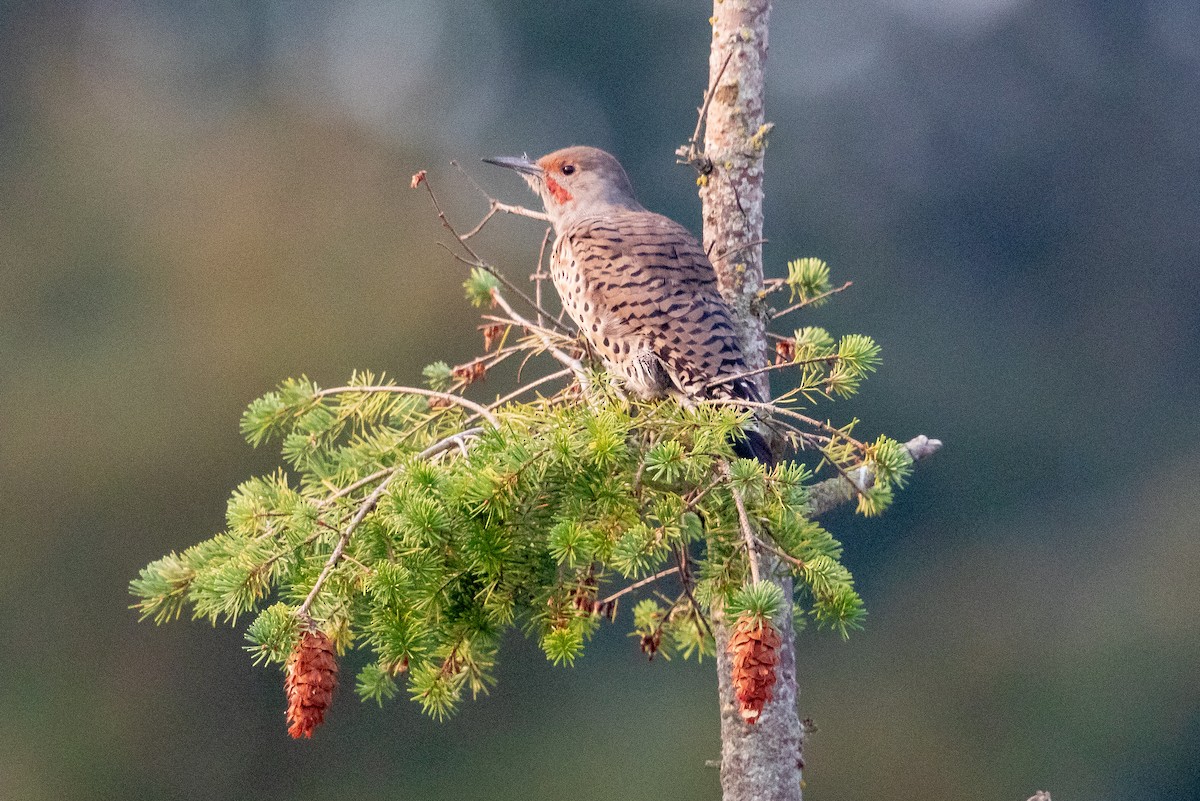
(759, 762)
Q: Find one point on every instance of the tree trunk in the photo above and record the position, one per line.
(759, 762)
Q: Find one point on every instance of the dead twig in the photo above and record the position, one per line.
(691, 152)
(744, 522)
(637, 585)
(475, 260)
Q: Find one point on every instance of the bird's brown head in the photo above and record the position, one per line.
(575, 182)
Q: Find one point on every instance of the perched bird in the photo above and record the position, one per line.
(638, 285)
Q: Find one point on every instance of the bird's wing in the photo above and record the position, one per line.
(650, 280)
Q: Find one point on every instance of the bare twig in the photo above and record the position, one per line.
(740, 248)
(362, 482)
(521, 390)
(691, 152)
(784, 555)
(533, 329)
(744, 522)
(774, 409)
(538, 275)
(495, 205)
(812, 300)
(781, 366)
(520, 211)
(685, 578)
(637, 585)
(571, 363)
(476, 260)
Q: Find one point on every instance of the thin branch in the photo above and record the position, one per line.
(476, 260)
(362, 482)
(699, 497)
(637, 585)
(656, 635)
(740, 248)
(536, 331)
(538, 275)
(685, 579)
(571, 363)
(779, 366)
(771, 407)
(491, 212)
(429, 393)
(708, 96)
(782, 554)
(691, 153)
(812, 300)
(521, 390)
(495, 205)
(744, 522)
(520, 211)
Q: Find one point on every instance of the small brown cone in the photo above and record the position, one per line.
(755, 648)
(785, 351)
(311, 679)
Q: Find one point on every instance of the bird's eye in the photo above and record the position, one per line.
(568, 169)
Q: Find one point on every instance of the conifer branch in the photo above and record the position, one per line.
(458, 439)
(831, 493)
(365, 508)
(585, 486)
(457, 400)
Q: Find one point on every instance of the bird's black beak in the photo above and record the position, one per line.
(521, 164)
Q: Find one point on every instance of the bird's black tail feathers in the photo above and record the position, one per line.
(752, 445)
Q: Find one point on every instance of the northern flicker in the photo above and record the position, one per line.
(638, 285)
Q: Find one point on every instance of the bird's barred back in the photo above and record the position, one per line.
(645, 295)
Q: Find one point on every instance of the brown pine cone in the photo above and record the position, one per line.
(755, 648)
(311, 680)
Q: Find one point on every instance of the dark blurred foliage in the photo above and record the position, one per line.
(198, 201)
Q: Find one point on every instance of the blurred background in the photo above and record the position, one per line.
(199, 200)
